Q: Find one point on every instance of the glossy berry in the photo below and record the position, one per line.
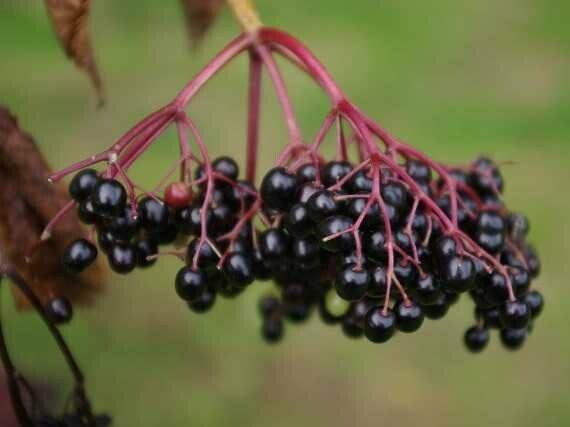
(458, 274)
(278, 188)
(238, 269)
(109, 197)
(379, 327)
(87, 213)
(427, 289)
(351, 327)
(485, 177)
(153, 213)
(513, 339)
(395, 194)
(515, 315)
(306, 251)
(272, 330)
(438, 309)
(122, 258)
(476, 339)
(298, 222)
(306, 173)
(321, 205)
(351, 283)
(378, 284)
(190, 284)
(204, 302)
(535, 303)
(262, 271)
(332, 225)
(207, 257)
(360, 182)
(146, 248)
(273, 244)
(375, 245)
(334, 171)
(490, 242)
(445, 249)
(269, 305)
(518, 226)
(496, 289)
(177, 195)
(79, 255)
(409, 316)
(189, 219)
(105, 239)
(226, 166)
(419, 171)
(82, 184)
(490, 222)
(59, 310)
(125, 225)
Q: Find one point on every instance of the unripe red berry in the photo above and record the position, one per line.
(177, 195)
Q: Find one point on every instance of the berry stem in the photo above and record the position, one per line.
(282, 94)
(78, 377)
(253, 116)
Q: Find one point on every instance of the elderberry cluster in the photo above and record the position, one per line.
(331, 250)
(357, 243)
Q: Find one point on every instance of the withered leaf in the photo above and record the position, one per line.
(27, 203)
(69, 19)
(200, 15)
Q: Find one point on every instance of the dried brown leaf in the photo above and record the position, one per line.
(69, 19)
(200, 15)
(27, 203)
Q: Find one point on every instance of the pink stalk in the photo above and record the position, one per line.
(253, 115)
(281, 90)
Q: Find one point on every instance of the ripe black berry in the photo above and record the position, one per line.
(321, 205)
(59, 310)
(189, 220)
(124, 226)
(298, 222)
(272, 330)
(306, 173)
(82, 184)
(427, 289)
(105, 239)
(476, 339)
(379, 327)
(238, 269)
(351, 283)
(122, 258)
(351, 327)
(335, 171)
(515, 315)
(332, 225)
(438, 309)
(360, 182)
(269, 305)
(204, 302)
(79, 255)
(409, 316)
(513, 339)
(535, 302)
(109, 197)
(278, 188)
(306, 251)
(378, 285)
(226, 166)
(87, 213)
(375, 245)
(153, 213)
(458, 274)
(445, 249)
(395, 194)
(207, 257)
(419, 171)
(490, 222)
(273, 244)
(190, 283)
(491, 242)
(146, 248)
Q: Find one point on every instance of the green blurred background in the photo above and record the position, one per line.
(454, 78)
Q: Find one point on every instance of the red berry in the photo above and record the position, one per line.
(177, 195)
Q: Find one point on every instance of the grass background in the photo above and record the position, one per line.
(454, 78)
